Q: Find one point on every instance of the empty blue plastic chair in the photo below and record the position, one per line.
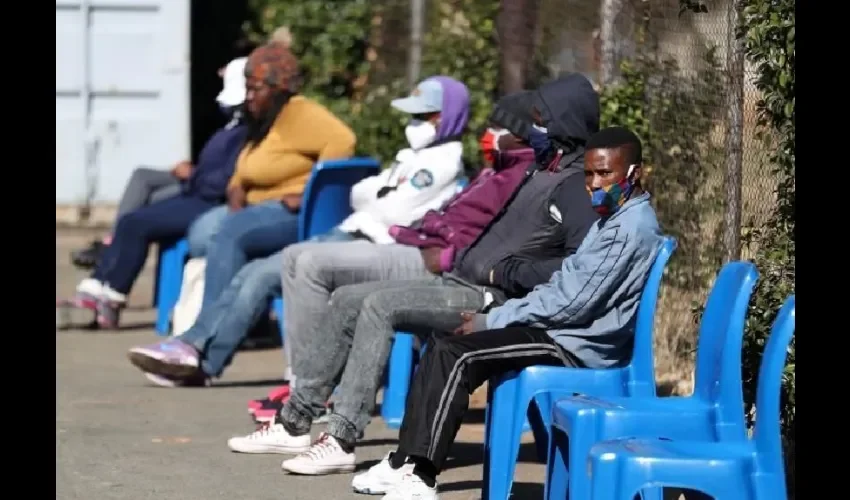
(712, 413)
(511, 395)
(169, 279)
(748, 469)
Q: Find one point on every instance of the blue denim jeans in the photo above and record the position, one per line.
(223, 325)
(251, 233)
(165, 220)
(206, 226)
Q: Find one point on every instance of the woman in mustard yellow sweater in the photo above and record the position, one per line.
(287, 134)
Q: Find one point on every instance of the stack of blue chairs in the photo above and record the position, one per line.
(709, 414)
(740, 469)
(604, 446)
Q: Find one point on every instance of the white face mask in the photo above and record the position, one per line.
(420, 134)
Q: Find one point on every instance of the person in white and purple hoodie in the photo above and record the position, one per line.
(328, 350)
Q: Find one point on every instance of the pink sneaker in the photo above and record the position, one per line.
(277, 394)
(172, 359)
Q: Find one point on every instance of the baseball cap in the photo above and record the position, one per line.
(233, 92)
(427, 97)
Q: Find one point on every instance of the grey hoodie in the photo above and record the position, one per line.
(549, 213)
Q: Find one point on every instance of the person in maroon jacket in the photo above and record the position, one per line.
(312, 271)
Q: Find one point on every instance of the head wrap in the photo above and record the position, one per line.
(274, 65)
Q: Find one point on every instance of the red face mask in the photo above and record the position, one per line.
(489, 144)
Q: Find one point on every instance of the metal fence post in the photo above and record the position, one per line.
(734, 138)
(414, 60)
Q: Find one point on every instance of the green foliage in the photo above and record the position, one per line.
(768, 36)
(353, 55)
(673, 112)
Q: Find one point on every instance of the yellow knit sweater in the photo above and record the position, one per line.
(303, 133)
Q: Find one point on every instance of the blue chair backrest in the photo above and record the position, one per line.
(327, 196)
(642, 367)
(721, 333)
(767, 437)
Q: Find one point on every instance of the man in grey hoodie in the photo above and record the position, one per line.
(584, 316)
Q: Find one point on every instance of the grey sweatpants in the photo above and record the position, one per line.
(313, 270)
(354, 340)
(146, 186)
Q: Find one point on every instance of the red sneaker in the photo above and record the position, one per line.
(277, 394)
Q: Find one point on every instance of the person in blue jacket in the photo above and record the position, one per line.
(107, 288)
(584, 316)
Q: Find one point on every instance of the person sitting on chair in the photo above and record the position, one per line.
(204, 188)
(583, 317)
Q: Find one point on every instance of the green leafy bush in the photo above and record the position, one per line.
(767, 31)
(353, 54)
(768, 34)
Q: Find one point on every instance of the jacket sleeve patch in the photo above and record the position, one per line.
(422, 179)
(555, 213)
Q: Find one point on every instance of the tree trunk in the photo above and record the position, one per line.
(608, 13)
(516, 26)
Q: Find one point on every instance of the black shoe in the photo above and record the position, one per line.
(87, 258)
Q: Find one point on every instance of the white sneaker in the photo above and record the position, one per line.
(270, 439)
(325, 456)
(90, 286)
(411, 487)
(380, 478)
(113, 296)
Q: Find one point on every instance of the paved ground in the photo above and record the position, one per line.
(117, 438)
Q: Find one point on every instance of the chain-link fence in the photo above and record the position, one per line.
(676, 80)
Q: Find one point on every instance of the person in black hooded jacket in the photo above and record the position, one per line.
(544, 220)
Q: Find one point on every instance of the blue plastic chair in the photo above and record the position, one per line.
(169, 279)
(277, 307)
(327, 196)
(510, 396)
(712, 413)
(400, 368)
(748, 469)
(326, 203)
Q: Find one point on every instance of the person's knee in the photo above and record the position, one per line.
(143, 175)
(310, 264)
(379, 304)
(202, 230)
(290, 258)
